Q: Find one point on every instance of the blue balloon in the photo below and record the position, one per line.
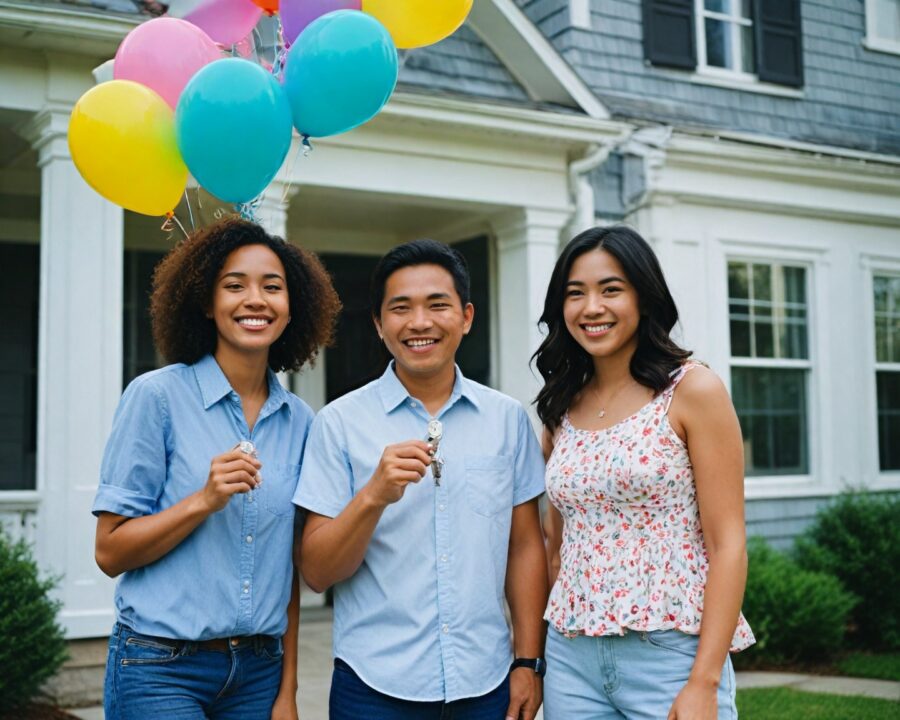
(340, 72)
(233, 127)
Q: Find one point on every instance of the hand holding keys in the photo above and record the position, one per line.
(433, 438)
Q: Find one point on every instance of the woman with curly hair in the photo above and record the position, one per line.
(194, 505)
(645, 477)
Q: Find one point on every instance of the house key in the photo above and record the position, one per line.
(248, 448)
(435, 433)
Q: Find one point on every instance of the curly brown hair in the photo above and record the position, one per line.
(183, 284)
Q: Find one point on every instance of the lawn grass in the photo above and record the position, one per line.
(787, 704)
(884, 666)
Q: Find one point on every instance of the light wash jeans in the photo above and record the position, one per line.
(633, 677)
(148, 678)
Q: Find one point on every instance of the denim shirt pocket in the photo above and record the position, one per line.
(489, 484)
(278, 486)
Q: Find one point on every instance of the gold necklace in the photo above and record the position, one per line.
(612, 397)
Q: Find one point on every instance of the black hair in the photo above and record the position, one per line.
(420, 252)
(184, 281)
(564, 365)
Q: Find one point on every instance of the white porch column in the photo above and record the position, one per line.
(527, 247)
(79, 370)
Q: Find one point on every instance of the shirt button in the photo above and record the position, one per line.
(441, 507)
(445, 628)
(250, 496)
(249, 538)
(413, 403)
(443, 558)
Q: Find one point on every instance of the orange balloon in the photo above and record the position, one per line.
(270, 6)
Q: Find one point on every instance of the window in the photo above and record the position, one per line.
(725, 35)
(18, 366)
(138, 354)
(883, 25)
(743, 39)
(769, 330)
(887, 369)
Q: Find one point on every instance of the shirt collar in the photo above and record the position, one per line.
(393, 393)
(214, 385)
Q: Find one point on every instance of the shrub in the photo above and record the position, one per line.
(857, 539)
(796, 614)
(32, 646)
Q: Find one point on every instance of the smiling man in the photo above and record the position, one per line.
(421, 496)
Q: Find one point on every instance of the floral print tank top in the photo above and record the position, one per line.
(632, 555)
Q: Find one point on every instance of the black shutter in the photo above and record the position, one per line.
(669, 33)
(779, 41)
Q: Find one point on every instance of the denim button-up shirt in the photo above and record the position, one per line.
(423, 617)
(232, 574)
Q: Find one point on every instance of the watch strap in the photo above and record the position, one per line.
(539, 665)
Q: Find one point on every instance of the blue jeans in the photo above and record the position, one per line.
(149, 677)
(352, 699)
(633, 677)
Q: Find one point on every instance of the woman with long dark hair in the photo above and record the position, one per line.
(645, 476)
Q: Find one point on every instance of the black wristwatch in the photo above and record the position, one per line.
(539, 665)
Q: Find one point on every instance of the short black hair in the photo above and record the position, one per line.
(184, 281)
(420, 252)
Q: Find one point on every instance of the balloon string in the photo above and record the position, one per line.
(187, 201)
(199, 199)
(180, 226)
(402, 56)
(306, 149)
(248, 210)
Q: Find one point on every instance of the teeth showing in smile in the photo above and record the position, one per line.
(253, 322)
(420, 343)
(598, 328)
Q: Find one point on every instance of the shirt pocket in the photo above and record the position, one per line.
(489, 484)
(278, 486)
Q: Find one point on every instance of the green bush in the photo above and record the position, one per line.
(32, 646)
(857, 539)
(796, 614)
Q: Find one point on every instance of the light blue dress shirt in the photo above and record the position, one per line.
(232, 574)
(423, 617)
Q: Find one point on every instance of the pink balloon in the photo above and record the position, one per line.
(163, 54)
(297, 14)
(225, 21)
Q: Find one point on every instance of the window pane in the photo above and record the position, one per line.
(717, 50)
(747, 9)
(887, 318)
(139, 354)
(765, 341)
(888, 420)
(762, 282)
(887, 19)
(771, 406)
(721, 6)
(740, 338)
(738, 286)
(748, 54)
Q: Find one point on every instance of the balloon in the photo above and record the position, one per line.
(164, 54)
(233, 125)
(297, 14)
(122, 140)
(225, 21)
(270, 6)
(340, 72)
(416, 23)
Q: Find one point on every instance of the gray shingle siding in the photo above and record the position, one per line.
(851, 96)
(461, 64)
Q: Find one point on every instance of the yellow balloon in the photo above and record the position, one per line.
(416, 23)
(122, 140)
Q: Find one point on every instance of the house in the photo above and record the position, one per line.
(755, 144)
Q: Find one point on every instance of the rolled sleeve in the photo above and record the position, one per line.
(133, 471)
(325, 486)
(529, 477)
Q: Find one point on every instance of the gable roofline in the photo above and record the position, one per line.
(530, 58)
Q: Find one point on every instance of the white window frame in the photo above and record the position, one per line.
(735, 22)
(872, 266)
(871, 41)
(821, 478)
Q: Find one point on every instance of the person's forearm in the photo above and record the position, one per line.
(721, 606)
(526, 592)
(334, 549)
(290, 640)
(124, 544)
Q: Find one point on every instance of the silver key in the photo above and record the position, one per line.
(435, 433)
(248, 448)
